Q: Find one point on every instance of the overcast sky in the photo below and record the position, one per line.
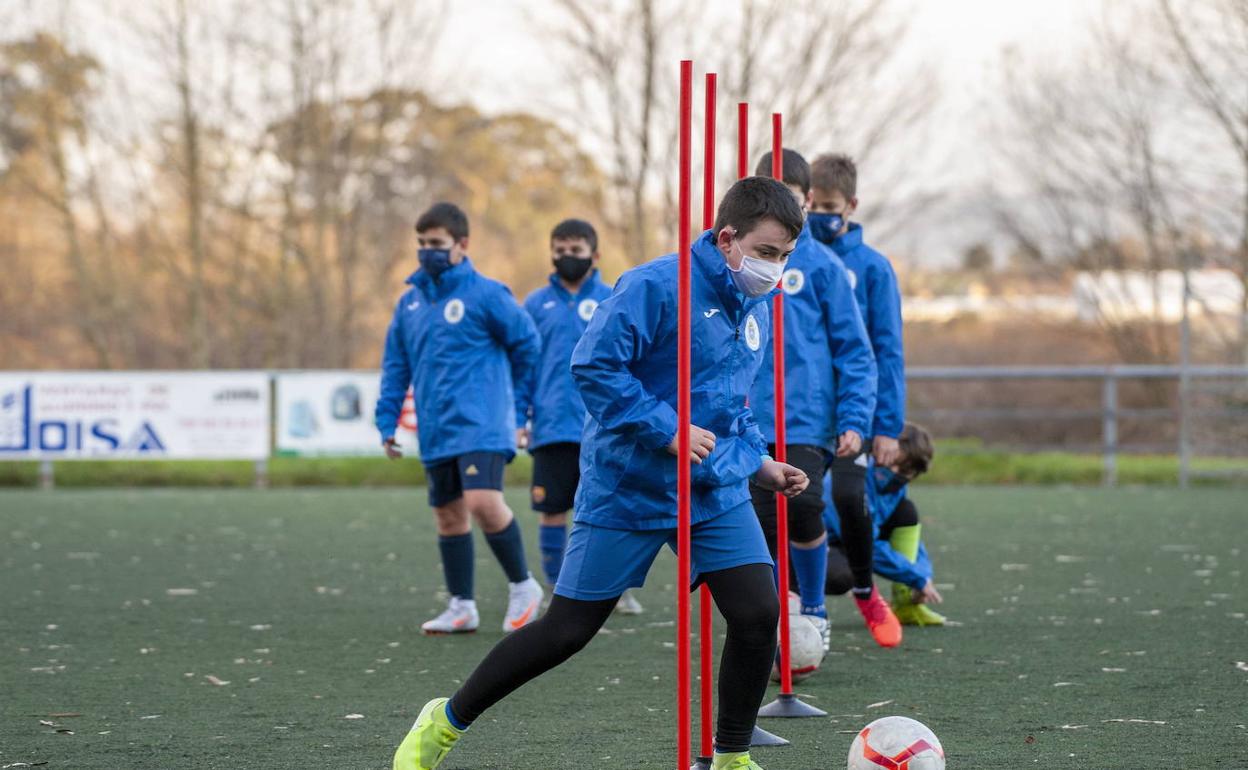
(504, 64)
(493, 55)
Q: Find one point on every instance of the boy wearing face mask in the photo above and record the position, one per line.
(460, 340)
(900, 555)
(555, 413)
(833, 201)
(829, 398)
(625, 510)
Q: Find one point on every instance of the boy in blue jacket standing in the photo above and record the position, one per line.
(834, 183)
(460, 340)
(551, 414)
(829, 399)
(900, 555)
(625, 368)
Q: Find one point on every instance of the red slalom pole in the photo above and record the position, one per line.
(743, 140)
(759, 737)
(706, 643)
(683, 417)
(782, 502)
(787, 704)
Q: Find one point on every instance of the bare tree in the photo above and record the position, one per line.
(806, 59)
(1208, 44)
(831, 67)
(1097, 192)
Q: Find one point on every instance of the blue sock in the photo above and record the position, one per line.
(508, 548)
(457, 563)
(811, 566)
(455, 721)
(552, 538)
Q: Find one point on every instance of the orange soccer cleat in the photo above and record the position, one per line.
(884, 626)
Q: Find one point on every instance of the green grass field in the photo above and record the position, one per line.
(1078, 612)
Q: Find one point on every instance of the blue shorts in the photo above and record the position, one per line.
(472, 470)
(600, 562)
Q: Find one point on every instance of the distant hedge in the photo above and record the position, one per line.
(956, 463)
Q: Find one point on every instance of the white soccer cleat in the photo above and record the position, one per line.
(825, 630)
(524, 604)
(628, 604)
(459, 617)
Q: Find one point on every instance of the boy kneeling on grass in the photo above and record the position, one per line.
(900, 555)
(625, 507)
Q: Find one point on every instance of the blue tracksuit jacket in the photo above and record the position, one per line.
(460, 342)
(885, 561)
(553, 404)
(875, 288)
(829, 369)
(625, 368)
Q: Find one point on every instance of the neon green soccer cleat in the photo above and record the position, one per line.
(739, 761)
(918, 615)
(430, 740)
(910, 612)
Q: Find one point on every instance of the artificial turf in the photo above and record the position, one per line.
(279, 629)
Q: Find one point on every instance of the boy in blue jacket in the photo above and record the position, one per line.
(829, 399)
(460, 340)
(625, 510)
(834, 183)
(551, 414)
(900, 555)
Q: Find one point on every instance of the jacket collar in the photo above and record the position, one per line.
(450, 279)
(714, 268)
(851, 240)
(591, 282)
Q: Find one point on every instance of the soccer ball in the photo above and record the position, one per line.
(896, 743)
(805, 649)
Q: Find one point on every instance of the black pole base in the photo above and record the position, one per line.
(787, 706)
(703, 763)
(763, 738)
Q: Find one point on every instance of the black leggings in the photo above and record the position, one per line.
(840, 577)
(746, 597)
(849, 496)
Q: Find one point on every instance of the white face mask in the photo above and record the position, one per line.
(756, 276)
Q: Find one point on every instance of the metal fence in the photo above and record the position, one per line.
(1195, 411)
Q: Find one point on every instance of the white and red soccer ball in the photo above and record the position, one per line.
(896, 743)
(805, 649)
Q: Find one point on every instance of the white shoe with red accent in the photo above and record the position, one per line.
(524, 605)
(459, 617)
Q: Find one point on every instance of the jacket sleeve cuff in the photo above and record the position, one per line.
(660, 430)
(856, 427)
(887, 425)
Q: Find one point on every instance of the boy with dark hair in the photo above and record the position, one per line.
(834, 183)
(900, 555)
(460, 341)
(834, 200)
(551, 411)
(625, 368)
(829, 397)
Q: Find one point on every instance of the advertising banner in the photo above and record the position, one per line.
(330, 413)
(134, 415)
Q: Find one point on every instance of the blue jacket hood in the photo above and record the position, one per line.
(463, 345)
(625, 368)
